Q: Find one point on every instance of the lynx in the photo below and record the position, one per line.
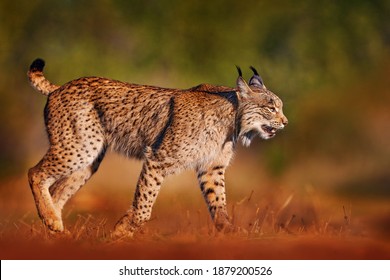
(168, 129)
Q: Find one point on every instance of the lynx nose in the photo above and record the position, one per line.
(284, 121)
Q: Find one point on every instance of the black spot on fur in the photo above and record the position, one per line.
(209, 191)
(218, 167)
(202, 184)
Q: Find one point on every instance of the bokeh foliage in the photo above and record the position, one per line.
(326, 59)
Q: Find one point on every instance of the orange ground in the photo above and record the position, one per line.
(273, 222)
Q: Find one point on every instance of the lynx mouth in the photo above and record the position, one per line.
(271, 131)
(266, 133)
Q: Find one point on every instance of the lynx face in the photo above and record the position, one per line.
(261, 111)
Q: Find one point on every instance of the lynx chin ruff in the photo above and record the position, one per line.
(168, 129)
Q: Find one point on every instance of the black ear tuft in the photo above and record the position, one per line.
(37, 65)
(254, 70)
(239, 71)
(256, 80)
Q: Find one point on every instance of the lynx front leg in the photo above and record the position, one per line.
(212, 185)
(146, 192)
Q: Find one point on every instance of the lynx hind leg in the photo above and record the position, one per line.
(58, 176)
(40, 179)
(63, 189)
(146, 192)
(212, 185)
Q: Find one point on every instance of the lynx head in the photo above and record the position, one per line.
(260, 110)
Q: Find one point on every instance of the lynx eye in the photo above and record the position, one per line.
(272, 109)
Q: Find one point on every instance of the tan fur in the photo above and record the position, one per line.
(169, 129)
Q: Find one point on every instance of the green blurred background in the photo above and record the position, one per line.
(328, 61)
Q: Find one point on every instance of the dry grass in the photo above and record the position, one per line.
(281, 225)
(273, 220)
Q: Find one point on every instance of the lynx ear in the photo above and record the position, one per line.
(256, 80)
(243, 89)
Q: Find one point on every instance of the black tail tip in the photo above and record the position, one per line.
(37, 65)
